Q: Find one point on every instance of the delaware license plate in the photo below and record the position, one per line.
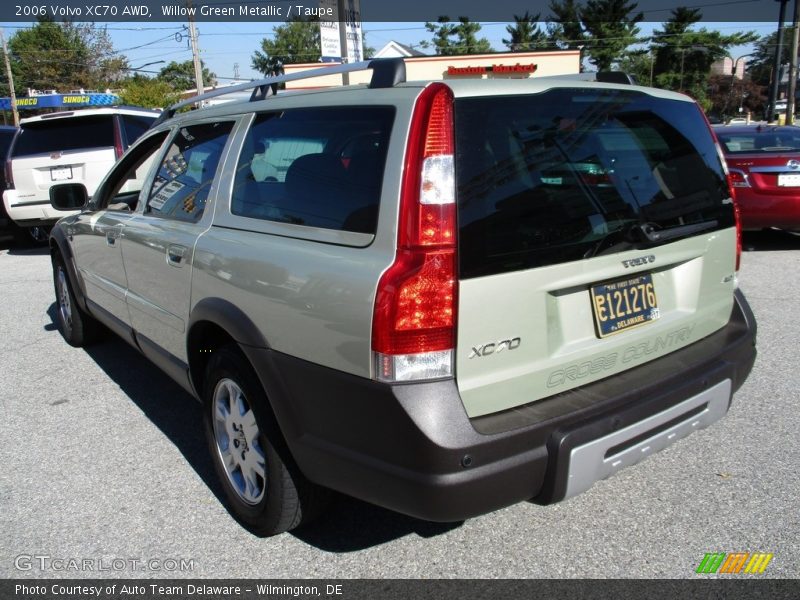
(624, 304)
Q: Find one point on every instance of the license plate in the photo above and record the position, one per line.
(60, 173)
(789, 179)
(624, 304)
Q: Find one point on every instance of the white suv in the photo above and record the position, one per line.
(65, 147)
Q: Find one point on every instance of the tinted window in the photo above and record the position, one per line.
(6, 137)
(315, 167)
(570, 173)
(122, 188)
(135, 127)
(71, 133)
(759, 140)
(181, 186)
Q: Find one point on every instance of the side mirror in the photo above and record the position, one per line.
(68, 196)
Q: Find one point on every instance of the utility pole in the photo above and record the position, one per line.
(341, 6)
(198, 69)
(10, 81)
(793, 64)
(776, 69)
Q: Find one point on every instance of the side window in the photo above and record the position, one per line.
(135, 127)
(181, 186)
(123, 186)
(316, 167)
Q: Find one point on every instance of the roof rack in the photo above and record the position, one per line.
(600, 76)
(386, 72)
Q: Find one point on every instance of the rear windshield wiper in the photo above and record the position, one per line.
(653, 234)
(642, 235)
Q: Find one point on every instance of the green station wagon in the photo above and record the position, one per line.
(439, 297)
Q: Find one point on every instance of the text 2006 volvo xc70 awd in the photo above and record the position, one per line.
(439, 297)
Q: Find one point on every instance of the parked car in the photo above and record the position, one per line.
(7, 133)
(439, 297)
(76, 146)
(764, 165)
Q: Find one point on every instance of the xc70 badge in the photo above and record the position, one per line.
(495, 347)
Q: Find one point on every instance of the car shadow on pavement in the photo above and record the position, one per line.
(349, 525)
(770, 239)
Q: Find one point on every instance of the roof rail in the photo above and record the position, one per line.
(386, 72)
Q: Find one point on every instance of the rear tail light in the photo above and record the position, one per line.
(736, 179)
(9, 175)
(414, 320)
(118, 149)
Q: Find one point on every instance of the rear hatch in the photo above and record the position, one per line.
(62, 150)
(596, 233)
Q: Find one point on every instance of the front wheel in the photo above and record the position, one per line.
(265, 490)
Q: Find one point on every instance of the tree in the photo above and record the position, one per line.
(762, 62)
(465, 33)
(64, 56)
(525, 35)
(610, 30)
(684, 55)
(565, 30)
(297, 41)
(180, 76)
(726, 100)
(147, 92)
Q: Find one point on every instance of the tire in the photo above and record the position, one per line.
(77, 327)
(265, 490)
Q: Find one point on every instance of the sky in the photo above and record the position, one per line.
(225, 45)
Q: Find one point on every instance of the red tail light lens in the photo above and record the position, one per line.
(9, 175)
(737, 178)
(118, 149)
(413, 328)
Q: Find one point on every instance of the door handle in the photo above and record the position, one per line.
(176, 254)
(112, 235)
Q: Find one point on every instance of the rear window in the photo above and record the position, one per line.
(570, 174)
(319, 167)
(64, 134)
(759, 140)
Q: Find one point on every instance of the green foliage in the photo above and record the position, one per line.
(64, 56)
(456, 38)
(684, 55)
(566, 30)
(180, 76)
(525, 35)
(762, 62)
(295, 42)
(610, 30)
(147, 92)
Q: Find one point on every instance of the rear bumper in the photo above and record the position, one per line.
(761, 210)
(412, 448)
(30, 212)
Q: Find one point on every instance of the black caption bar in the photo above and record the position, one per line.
(743, 11)
(373, 589)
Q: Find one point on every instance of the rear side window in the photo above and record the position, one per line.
(570, 174)
(64, 134)
(187, 170)
(135, 126)
(314, 167)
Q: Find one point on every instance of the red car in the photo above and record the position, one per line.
(764, 163)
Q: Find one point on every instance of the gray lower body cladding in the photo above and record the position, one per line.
(412, 448)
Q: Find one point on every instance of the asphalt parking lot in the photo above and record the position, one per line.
(103, 460)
